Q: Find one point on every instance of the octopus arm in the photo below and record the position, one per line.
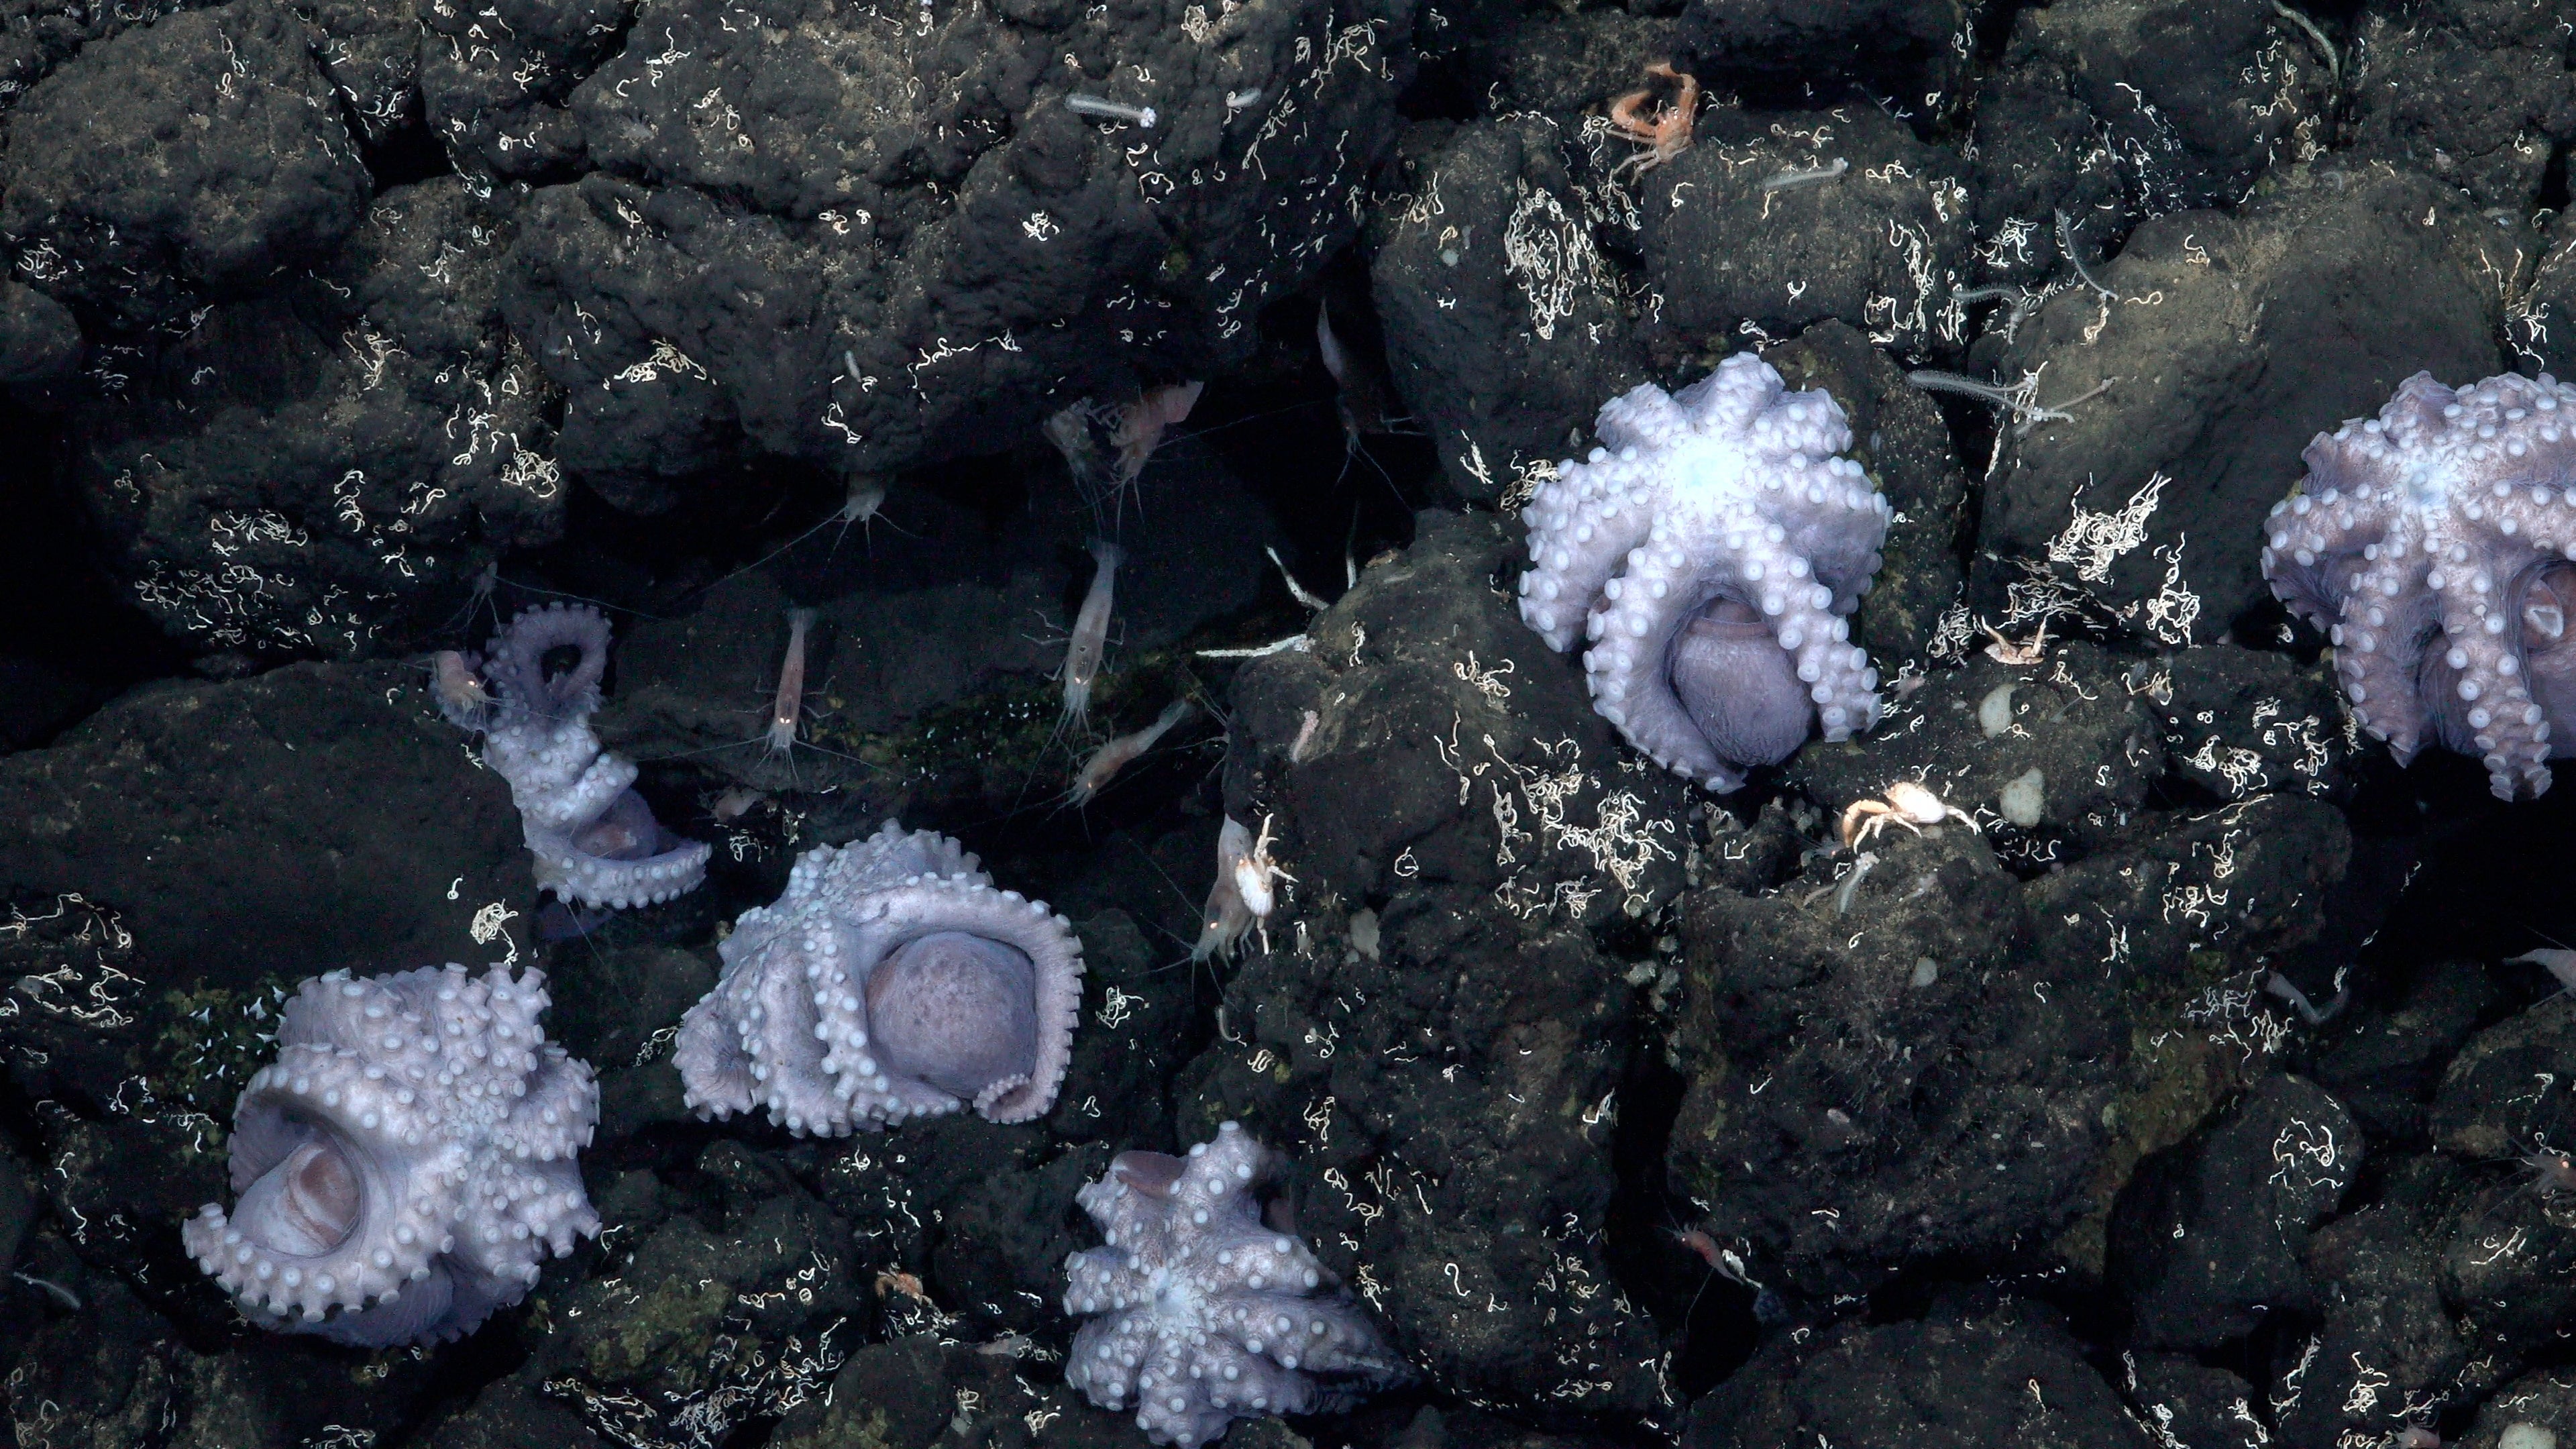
(520, 1211)
(1108, 1354)
(1627, 668)
(926, 904)
(516, 666)
(551, 1122)
(2433, 544)
(745, 1043)
(404, 1166)
(1583, 526)
(1206, 1314)
(1243, 1382)
(1709, 551)
(891, 980)
(593, 838)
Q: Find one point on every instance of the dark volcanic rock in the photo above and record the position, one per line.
(2507, 1268)
(319, 469)
(2037, 152)
(2205, 1241)
(115, 1374)
(616, 1008)
(305, 820)
(1780, 222)
(109, 1377)
(865, 243)
(2191, 100)
(1433, 1030)
(2235, 340)
(1549, 61)
(195, 157)
(2488, 1109)
(1908, 1095)
(2387, 1341)
(494, 77)
(2008, 1374)
(507, 1415)
(2512, 1244)
(2239, 722)
(1122, 1060)
(2180, 1398)
(2472, 92)
(370, 52)
(2076, 752)
(2386, 1070)
(910, 1393)
(1907, 45)
(2544, 1401)
(2541, 329)
(1922, 1059)
(744, 1317)
(40, 340)
(1506, 330)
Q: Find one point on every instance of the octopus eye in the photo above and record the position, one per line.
(1727, 615)
(1151, 1173)
(2545, 604)
(306, 1204)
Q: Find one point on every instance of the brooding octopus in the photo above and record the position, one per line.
(403, 1168)
(892, 980)
(594, 840)
(1711, 549)
(2432, 544)
(1210, 1308)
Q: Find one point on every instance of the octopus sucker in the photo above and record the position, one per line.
(1209, 1307)
(593, 840)
(1711, 550)
(2423, 543)
(892, 980)
(407, 1163)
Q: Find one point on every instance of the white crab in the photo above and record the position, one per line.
(1254, 874)
(1907, 804)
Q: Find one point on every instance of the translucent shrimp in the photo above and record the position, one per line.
(2558, 961)
(1069, 428)
(784, 710)
(1090, 634)
(863, 507)
(1141, 424)
(458, 687)
(1109, 759)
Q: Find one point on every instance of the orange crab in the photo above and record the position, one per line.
(1665, 131)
